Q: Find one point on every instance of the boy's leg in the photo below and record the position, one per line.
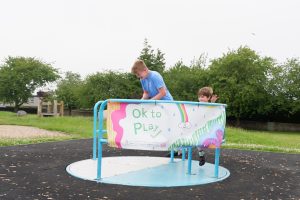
(201, 154)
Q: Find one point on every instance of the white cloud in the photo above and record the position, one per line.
(89, 36)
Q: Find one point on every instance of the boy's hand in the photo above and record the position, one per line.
(214, 98)
(145, 95)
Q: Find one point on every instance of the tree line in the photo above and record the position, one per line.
(254, 87)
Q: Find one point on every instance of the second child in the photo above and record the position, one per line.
(205, 94)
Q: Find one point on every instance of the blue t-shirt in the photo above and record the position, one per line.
(152, 83)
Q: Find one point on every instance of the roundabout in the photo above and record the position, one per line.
(146, 171)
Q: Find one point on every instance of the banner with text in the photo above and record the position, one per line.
(164, 126)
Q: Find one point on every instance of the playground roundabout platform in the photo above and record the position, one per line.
(147, 171)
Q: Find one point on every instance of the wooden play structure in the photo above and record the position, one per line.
(50, 108)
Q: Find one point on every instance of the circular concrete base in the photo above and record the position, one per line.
(146, 171)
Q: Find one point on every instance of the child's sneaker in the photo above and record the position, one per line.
(201, 157)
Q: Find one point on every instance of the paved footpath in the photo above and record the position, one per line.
(38, 172)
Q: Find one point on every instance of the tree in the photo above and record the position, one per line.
(68, 90)
(107, 85)
(184, 81)
(200, 62)
(291, 83)
(20, 76)
(154, 61)
(240, 78)
(284, 84)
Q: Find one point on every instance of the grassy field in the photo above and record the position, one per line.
(74, 127)
(288, 142)
(81, 127)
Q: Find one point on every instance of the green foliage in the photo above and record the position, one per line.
(254, 87)
(239, 78)
(110, 84)
(291, 83)
(154, 61)
(20, 76)
(184, 81)
(283, 86)
(68, 90)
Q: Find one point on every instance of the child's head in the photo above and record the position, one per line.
(140, 69)
(204, 94)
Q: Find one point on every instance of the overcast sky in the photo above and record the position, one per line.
(87, 36)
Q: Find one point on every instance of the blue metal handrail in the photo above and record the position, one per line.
(164, 101)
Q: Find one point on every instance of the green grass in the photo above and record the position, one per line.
(10, 141)
(73, 127)
(82, 127)
(288, 142)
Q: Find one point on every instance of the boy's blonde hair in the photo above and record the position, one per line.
(205, 91)
(138, 65)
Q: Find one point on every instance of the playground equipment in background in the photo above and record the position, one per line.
(46, 109)
(49, 108)
(157, 126)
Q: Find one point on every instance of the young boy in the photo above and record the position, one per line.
(205, 94)
(152, 82)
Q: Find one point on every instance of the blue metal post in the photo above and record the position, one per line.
(95, 134)
(99, 164)
(183, 154)
(172, 155)
(217, 156)
(190, 160)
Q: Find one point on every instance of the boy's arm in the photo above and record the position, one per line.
(161, 93)
(145, 95)
(214, 98)
(159, 84)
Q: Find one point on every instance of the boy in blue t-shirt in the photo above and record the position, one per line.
(152, 82)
